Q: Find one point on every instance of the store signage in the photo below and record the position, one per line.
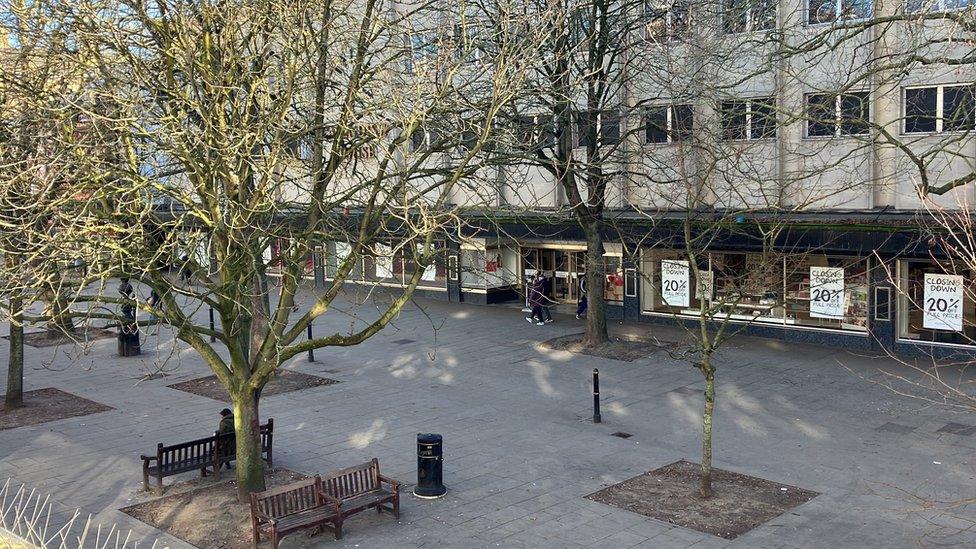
(942, 302)
(706, 281)
(827, 292)
(674, 283)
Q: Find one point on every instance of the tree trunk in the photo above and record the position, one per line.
(14, 397)
(705, 483)
(250, 468)
(596, 280)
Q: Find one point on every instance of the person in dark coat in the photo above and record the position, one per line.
(581, 308)
(226, 426)
(536, 299)
(546, 300)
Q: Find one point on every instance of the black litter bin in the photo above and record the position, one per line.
(430, 466)
(129, 340)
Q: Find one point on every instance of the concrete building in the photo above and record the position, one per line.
(830, 119)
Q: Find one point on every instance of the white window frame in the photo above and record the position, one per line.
(939, 108)
(838, 121)
(749, 102)
(747, 14)
(838, 14)
(670, 34)
(669, 129)
(938, 6)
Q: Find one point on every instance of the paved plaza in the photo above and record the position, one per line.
(520, 450)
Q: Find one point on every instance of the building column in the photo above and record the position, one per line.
(454, 271)
(882, 306)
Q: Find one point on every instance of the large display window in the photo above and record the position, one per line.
(804, 290)
(491, 267)
(935, 302)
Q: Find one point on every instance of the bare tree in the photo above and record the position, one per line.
(208, 136)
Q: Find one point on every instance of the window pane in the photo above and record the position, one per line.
(919, 6)
(680, 19)
(763, 14)
(821, 115)
(763, 118)
(821, 11)
(610, 127)
(920, 107)
(734, 120)
(417, 140)
(682, 122)
(855, 9)
(855, 113)
(584, 124)
(958, 108)
(734, 19)
(656, 129)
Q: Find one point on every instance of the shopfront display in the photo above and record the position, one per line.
(935, 302)
(755, 287)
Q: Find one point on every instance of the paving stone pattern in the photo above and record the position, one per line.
(520, 451)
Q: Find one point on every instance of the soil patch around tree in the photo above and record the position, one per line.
(43, 405)
(739, 502)
(207, 514)
(285, 381)
(620, 347)
(52, 338)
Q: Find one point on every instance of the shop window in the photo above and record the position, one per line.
(382, 263)
(666, 20)
(839, 301)
(613, 270)
(434, 273)
(942, 313)
(493, 267)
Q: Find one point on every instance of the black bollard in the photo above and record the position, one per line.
(596, 396)
(212, 336)
(311, 352)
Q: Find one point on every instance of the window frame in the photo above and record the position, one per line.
(748, 15)
(838, 120)
(939, 108)
(749, 122)
(580, 141)
(933, 9)
(838, 13)
(670, 116)
(670, 34)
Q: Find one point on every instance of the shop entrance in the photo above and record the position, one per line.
(563, 267)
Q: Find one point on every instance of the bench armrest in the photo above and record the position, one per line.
(391, 482)
(147, 459)
(262, 517)
(330, 500)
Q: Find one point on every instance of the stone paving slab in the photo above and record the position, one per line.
(520, 451)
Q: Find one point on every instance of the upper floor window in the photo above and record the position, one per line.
(423, 140)
(830, 114)
(829, 11)
(666, 19)
(606, 125)
(940, 109)
(922, 6)
(668, 123)
(749, 15)
(535, 131)
(749, 119)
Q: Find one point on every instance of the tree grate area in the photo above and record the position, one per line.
(285, 381)
(50, 404)
(739, 502)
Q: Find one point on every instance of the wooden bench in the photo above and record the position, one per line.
(359, 488)
(297, 506)
(201, 454)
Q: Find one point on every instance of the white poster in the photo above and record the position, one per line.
(674, 283)
(827, 292)
(942, 303)
(706, 281)
(430, 271)
(384, 261)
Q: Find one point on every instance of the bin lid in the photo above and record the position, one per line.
(429, 438)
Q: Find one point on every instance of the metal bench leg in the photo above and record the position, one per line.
(145, 480)
(338, 529)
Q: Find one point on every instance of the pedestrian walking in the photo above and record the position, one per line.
(546, 300)
(226, 426)
(581, 307)
(185, 268)
(535, 301)
(153, 302)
